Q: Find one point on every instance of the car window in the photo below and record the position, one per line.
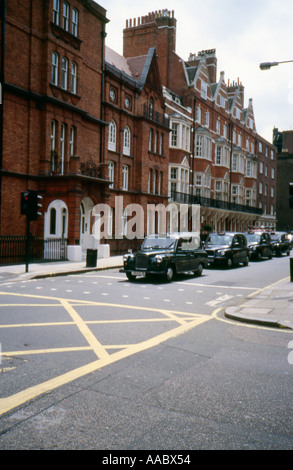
(237, 240)
(192, 243)
(215, 239)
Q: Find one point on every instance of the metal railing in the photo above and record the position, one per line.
(184, 198)
(13, 249)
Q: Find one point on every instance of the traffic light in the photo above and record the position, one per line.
(24, 203)
(291, 195)
(30, 204)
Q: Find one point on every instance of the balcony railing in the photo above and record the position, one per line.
(183, 198)
(154, 116)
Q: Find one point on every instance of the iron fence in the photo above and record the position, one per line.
(13, 249)
(184, 198)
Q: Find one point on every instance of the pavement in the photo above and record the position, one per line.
(271, 306)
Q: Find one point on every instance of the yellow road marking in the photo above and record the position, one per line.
(96, 322)
(91, 339)
(185, 320)
(9, 403)
(268, 287)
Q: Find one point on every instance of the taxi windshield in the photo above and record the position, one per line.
(158, 243)
(216, 239)
(252, 237)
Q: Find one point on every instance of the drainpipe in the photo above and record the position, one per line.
(191, 186)
(231, 155)
(103, 35)
(3, 24)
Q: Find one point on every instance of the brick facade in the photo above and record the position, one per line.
(222, 155)
(284, 143)
(52, 109)
(86, 126)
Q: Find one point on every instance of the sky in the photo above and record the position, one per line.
(244, 34)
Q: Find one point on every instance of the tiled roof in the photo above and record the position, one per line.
(132, 66)
(117, 60)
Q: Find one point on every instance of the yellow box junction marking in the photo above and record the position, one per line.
(185, 321)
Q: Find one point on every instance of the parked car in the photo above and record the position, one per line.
(259, 245)
(227, 248)
(290, 237)
(166, 255)
(281, 243)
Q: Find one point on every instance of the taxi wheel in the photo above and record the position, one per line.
(199, 270)
(170, 273)
(229, 263)
(130, 277)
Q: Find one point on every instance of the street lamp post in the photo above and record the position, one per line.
(268, 65)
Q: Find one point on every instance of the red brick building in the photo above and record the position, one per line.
(136, 144)
(52, 76)
(214, 144)
(85, 126)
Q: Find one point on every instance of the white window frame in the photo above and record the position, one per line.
(207, 119)
(126, 140)
(65, 17)
(150, 139)
(64, 73)
(111, 173)
(53, 135)
(72, 141)
(74, 27)
(112, 137)
(125, 177)
(62, 147)
(174, 134)
(57, 209)
(204, 90)
(55, 66)
(73, 78)
(56, 12)
(248, 168)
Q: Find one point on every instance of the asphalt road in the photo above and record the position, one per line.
(94, 361)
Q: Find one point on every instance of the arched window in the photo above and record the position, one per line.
(126, 141)
(53, 221)
(56, 220)
(112, 135)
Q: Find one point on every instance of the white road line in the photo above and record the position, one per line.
(221, 287)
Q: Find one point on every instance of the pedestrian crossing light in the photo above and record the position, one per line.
(31, 204)
(291, 195)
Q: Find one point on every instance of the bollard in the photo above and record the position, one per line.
(291, 269)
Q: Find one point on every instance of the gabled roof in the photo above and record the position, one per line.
(137, 68)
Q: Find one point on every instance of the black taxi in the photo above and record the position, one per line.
(166, 255)
(227, 248)
(259, 244)
(281, 243)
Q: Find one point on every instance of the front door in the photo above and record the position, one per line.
(87, 238)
